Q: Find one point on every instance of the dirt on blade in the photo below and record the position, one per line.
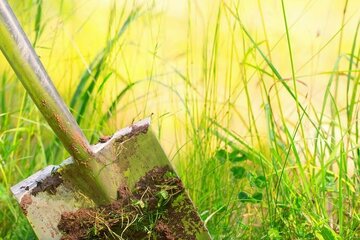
(26, 200)
(158, 208)
(135, 130)
(49, 184)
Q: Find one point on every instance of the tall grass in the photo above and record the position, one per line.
(264, 152)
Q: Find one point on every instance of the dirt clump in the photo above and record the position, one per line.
(164, 231)
(26, 200)
(155, 209)
(104, 139)
(49, 184)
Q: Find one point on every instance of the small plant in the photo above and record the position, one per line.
(254, 182)
(148, 212)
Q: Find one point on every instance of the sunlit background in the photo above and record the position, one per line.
(171, 40)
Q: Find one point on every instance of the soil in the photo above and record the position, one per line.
(26, 200)
(104, 139)
(158, 208)
(49, 184)
(164, 231)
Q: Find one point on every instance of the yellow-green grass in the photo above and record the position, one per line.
(255, 103)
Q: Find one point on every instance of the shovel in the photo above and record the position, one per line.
(121, 188)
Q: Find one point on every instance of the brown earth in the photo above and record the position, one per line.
(104, 139)
(49, 184)
(158, 208)
(25, 202)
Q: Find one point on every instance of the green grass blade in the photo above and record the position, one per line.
(112, 109)
(97, 65)
(37, 25)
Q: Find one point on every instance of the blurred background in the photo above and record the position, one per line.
(197, 45)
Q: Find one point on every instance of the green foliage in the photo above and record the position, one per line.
(260, 182)
(92, 74)
(238, 172)
(244, 197)
(326, 233)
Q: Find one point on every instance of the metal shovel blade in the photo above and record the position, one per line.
(151, 202)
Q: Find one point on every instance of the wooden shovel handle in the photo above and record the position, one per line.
(22, 57)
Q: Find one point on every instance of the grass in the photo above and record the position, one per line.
(258, 113)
